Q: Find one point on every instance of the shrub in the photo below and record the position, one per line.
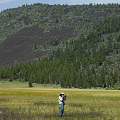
(54, 42)
(118, 88)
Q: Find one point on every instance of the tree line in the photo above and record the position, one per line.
(82, 64)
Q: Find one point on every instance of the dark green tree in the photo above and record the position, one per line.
(30, 80)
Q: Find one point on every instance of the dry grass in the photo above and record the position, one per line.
(41, 104)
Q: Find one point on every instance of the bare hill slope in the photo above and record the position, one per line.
(18, 47)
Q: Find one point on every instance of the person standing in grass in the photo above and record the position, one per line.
(61, 100)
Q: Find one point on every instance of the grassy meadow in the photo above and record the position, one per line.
(41, 103)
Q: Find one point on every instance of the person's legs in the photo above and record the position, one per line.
(61, 108)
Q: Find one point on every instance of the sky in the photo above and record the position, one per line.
(7, 4)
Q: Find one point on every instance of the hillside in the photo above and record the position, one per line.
(22, 27)
(80, 45)
(19, 47)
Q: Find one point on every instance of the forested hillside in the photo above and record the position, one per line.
(87, 55)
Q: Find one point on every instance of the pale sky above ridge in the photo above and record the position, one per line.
(7, 4)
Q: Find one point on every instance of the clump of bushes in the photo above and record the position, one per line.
(54, 42)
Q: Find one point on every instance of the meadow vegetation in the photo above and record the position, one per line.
(42, 103)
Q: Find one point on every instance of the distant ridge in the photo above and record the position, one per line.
(22, 27)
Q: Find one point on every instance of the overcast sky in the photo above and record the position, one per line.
(6, 4)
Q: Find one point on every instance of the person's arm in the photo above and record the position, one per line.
(64, 98)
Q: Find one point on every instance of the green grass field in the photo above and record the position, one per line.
(41, 103)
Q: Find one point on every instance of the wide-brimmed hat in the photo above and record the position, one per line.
(62, 93)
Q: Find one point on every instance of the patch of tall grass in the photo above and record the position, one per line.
(41, 104)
